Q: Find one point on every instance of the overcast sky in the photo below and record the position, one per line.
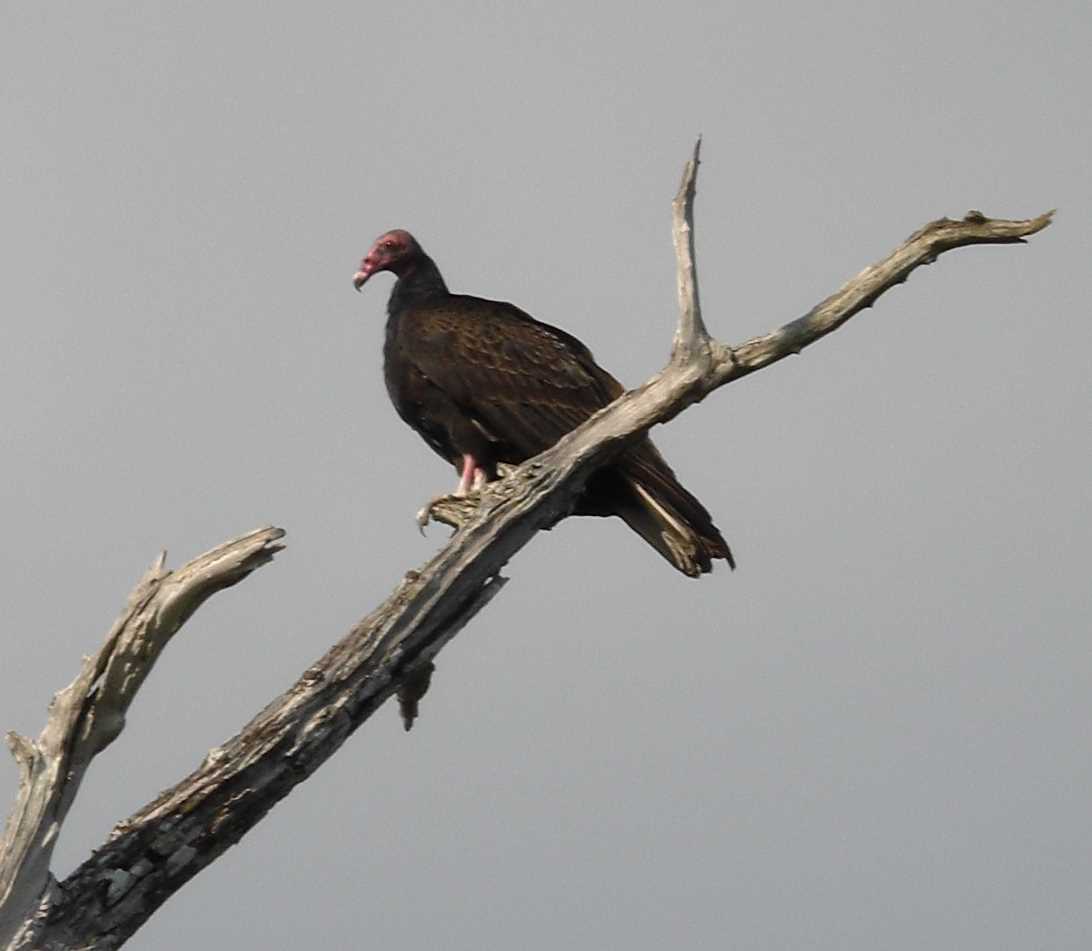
(874, 734)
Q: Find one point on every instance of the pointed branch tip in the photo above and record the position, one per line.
(22, 749)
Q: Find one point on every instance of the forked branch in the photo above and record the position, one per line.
(153, 853)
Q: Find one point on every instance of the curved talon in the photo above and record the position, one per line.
(454, 508)
(424, 514)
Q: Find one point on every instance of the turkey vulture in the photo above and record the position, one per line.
(483, 382)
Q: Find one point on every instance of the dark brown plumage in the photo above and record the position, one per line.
(483, 382)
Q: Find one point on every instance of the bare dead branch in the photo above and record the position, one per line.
(153, 853)
(88, 714)
(691, 338)
(922, 247)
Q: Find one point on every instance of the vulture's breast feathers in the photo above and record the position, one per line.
(523, 383)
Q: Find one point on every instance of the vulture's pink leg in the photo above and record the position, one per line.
(473, 477)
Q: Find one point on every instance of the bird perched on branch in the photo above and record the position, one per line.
(484, 383)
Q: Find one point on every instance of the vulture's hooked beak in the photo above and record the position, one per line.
(359, 278)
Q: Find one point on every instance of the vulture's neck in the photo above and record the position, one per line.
(420, 284)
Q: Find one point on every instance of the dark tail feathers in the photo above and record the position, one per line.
(668, 517)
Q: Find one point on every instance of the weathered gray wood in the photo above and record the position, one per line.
(922, 247)
(88, 714)
(154, 852)
(692, 340)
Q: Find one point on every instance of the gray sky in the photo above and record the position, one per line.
(874, 734)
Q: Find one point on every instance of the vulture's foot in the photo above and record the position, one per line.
(453, 510)
(456, 508)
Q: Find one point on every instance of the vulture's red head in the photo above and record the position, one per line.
(394, 251)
